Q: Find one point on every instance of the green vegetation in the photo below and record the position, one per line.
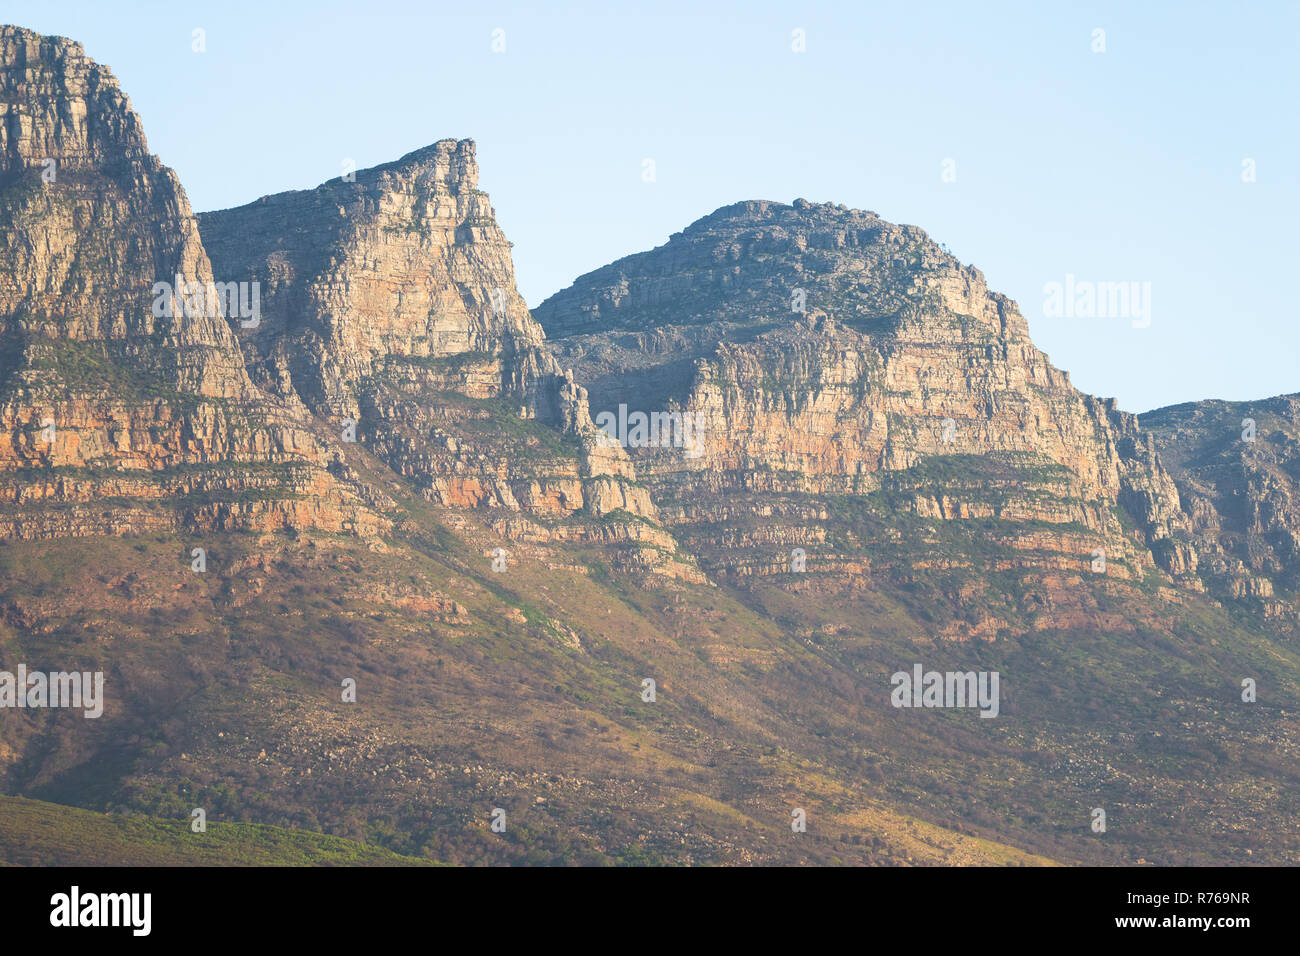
(35, 833)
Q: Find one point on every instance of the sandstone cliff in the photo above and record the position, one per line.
(857, 398)
(389, 299)
(101, 396)
(1237, 466)
(390, 308)
(824, 353)
(399, 265)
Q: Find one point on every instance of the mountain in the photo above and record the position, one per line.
(636, 569)
(830, 359)
(389, 300)
(1237, 467)
(115, 418)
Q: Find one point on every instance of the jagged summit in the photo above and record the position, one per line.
(448, 163)
(449, 160)
(92, 220)
(42, 77)
(107, 373)
(399, 261)
(389, 298)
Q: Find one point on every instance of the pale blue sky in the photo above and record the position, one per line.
(1115, 166)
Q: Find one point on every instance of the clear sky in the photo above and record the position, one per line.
(1116, 166)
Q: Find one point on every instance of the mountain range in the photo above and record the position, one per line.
(366, 550)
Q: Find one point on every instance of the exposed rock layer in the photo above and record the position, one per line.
(389, 298)
(821, 350)
(110, 387)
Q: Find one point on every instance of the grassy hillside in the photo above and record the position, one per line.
(35, 833)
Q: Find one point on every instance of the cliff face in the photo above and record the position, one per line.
(112, 385)
(401, 266)
(389, 301)
(855, 436)
(389, 298)
(822, 353)
(891, 338)
(91, 222)
(1237, 467)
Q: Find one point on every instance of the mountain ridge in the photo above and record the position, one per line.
(641, 652)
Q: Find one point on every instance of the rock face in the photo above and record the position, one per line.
(92, 221)
(399, 266)
(824, 352)
(131, 371)
(859, 441)
(1237, 466)
(101, 396)
(389, 298)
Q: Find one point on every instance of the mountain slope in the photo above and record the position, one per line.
(502, 581)
(33, 833)
(1237, 466)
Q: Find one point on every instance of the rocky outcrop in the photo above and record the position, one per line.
(819, 350)
(142, 390)
(389, 300)
(119, 376)
(92, 221)
(1237, 467)
(399, 270)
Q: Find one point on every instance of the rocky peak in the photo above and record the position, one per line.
(820, 349)
(751, 260)
(386, 268)
(91, 222)
(59, 104)
(388, 297)
(450, 164)
(117, 378)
